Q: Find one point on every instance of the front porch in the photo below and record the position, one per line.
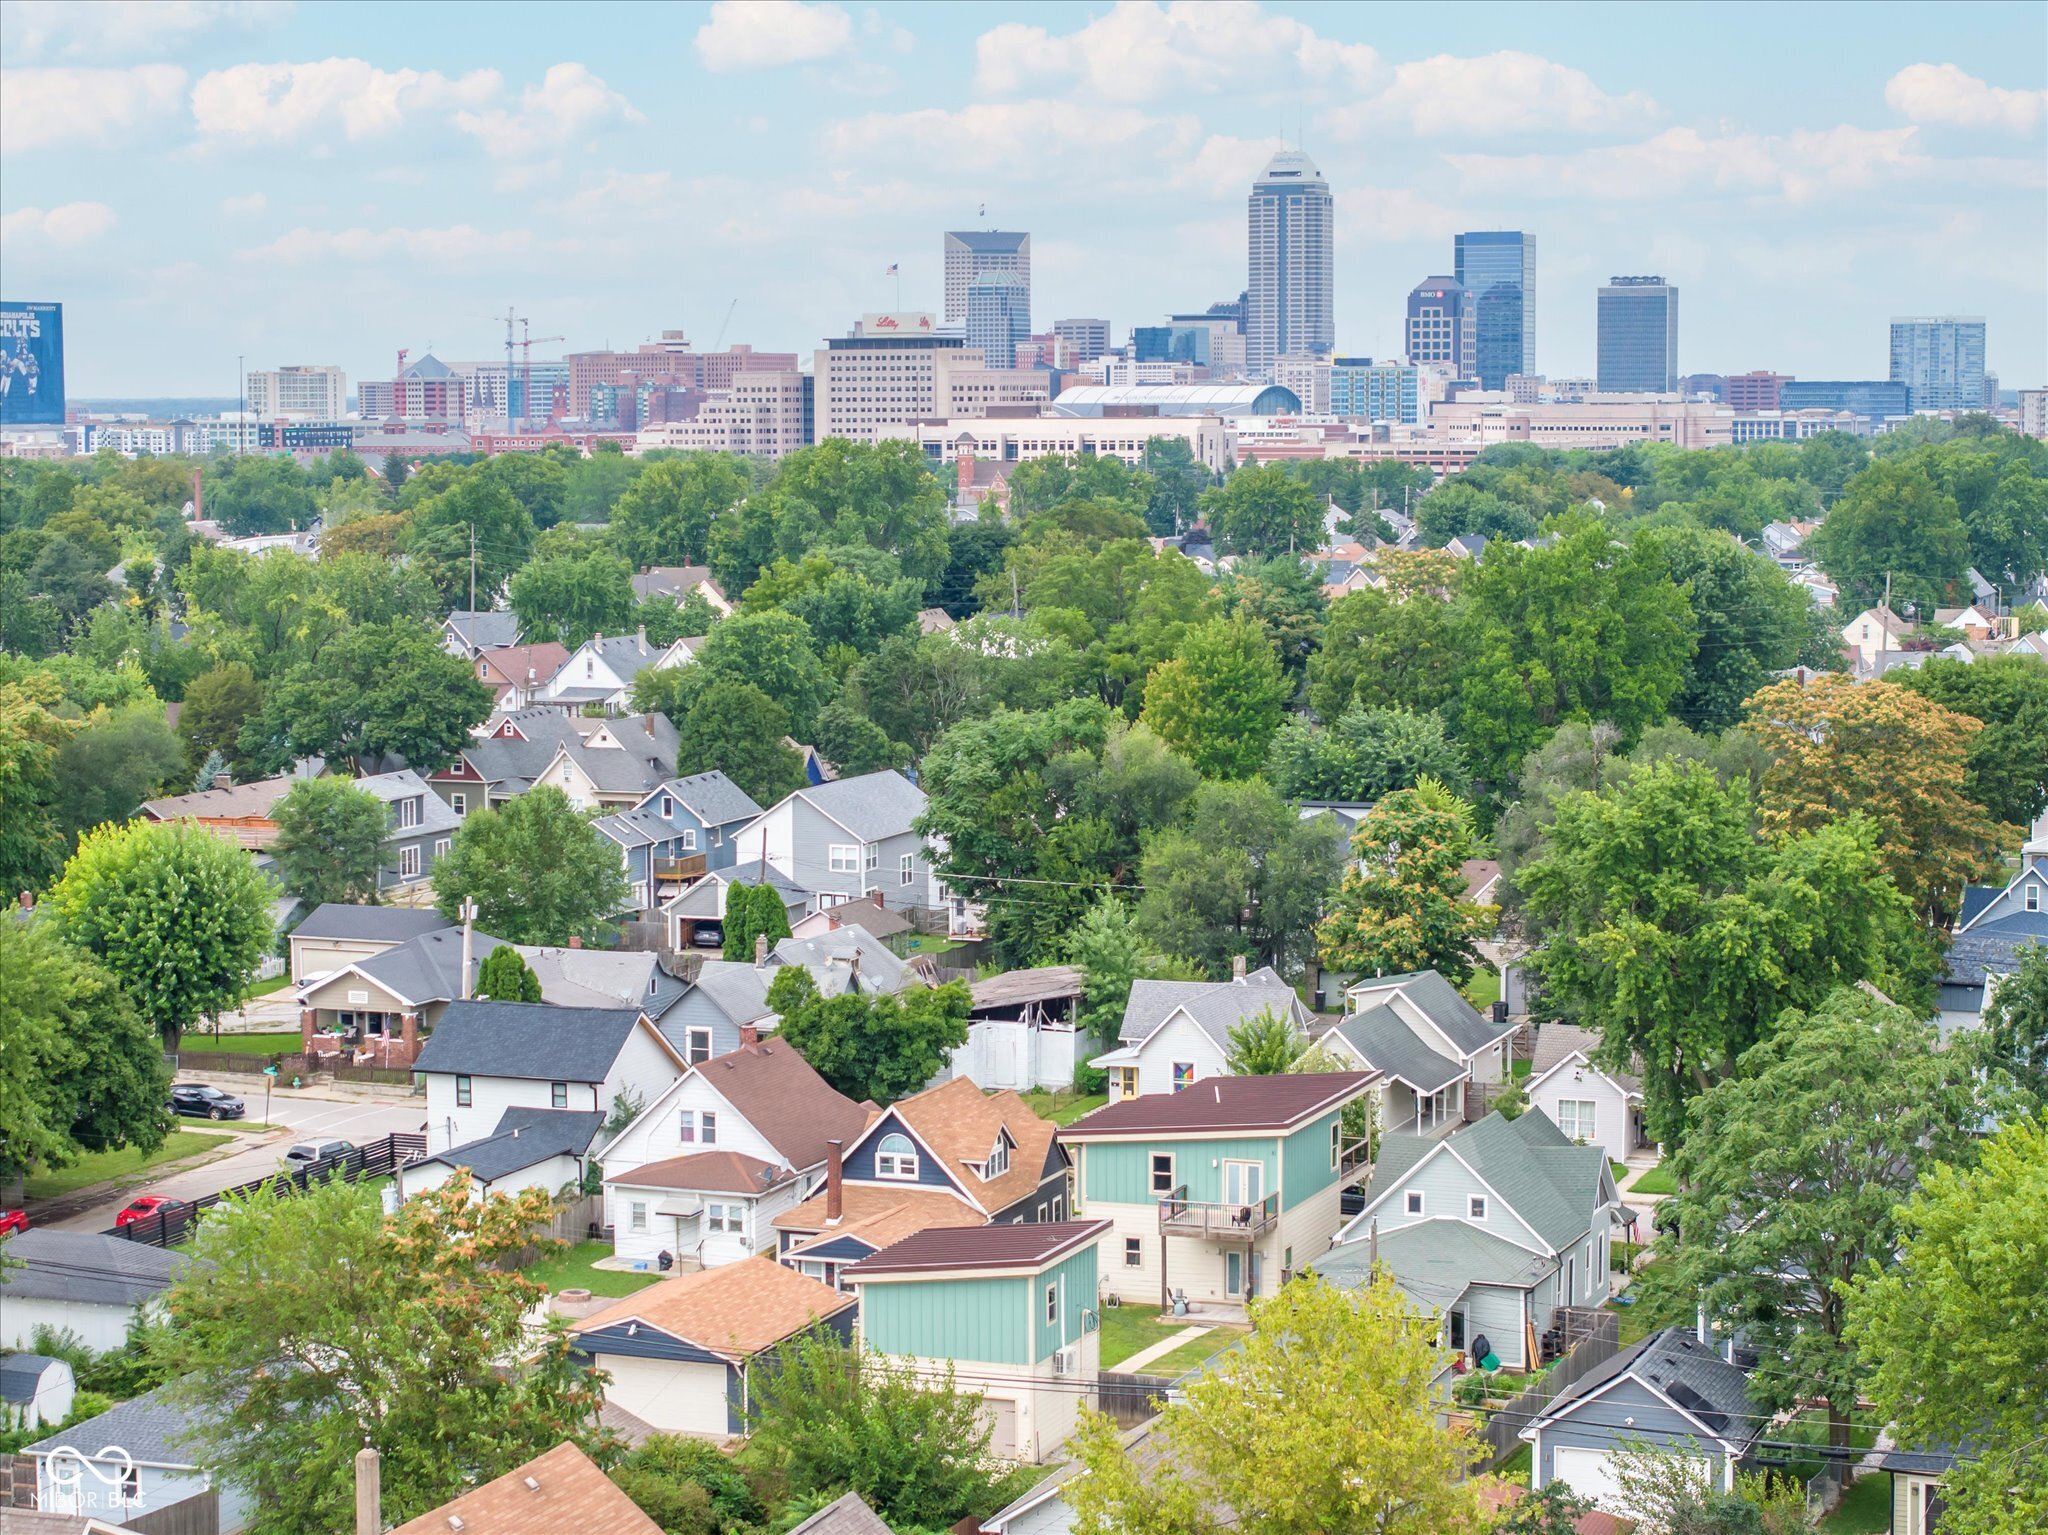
(352, 1036)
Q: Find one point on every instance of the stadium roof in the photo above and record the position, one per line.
(1239, 399)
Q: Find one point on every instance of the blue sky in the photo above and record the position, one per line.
(327, 183)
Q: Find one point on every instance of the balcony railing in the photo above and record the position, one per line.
(1180, 1216)
(1353, 1158)
(679, 869)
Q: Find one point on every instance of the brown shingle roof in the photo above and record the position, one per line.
(793, 1108)
(561, 1490)
(520, 665)
(878, 1216)
(959, 1123)
(1026, 1246)
(736, 1310)
(714, 1172)
(234, 803)
(1224, 1103)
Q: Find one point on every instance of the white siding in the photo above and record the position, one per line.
(672, 1395)
(1180, 1038)
(1611, 1114)
(656, 1135)
(449, 1126)
(644, 1065)
(101, 1327)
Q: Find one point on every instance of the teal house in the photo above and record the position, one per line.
(1011, 1309)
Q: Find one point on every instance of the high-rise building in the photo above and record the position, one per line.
(896, 369)
(1757, 389)
(1440, 325)
(1364, 390)
(970, 252)
(1638, 336)
(1309, 377)
(1498, 268)
(1874, 398)
(998, 315)
(1288, 223)
(1940, 358)
(303, 391)
(1086, 339)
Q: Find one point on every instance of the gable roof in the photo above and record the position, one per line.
(602, 978)
(1437, 1000)
(1686, 1372)
(406, 784)
(673, 581)
(959, 1124)
(491, 629)
(1022, 1246)
(1552, 1185)
(236, 802)
(735, 1310)
(86, 1267)
(520, 665)
(872, 806)
(524, 1137)
(1389, 1043)
(1557, 1043)
(151, 1428)
(834, 957)
(709, 1172)
(875, 1215)
(1435, 1261)
(711, 797)
(644, 757)
(1218, 1105)
(374, 924)
(848, 1515)
(736, 987)
(1216, 1007)
(789, 1105)
(560, 1490)
(528, 1040)
(21, 1375)
(426, 967)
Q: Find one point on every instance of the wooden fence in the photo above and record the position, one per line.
(1131, 1399)
(242, 1061)
(1595, 1336)
(380, 1159)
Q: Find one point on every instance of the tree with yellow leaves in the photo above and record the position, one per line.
(1402, 906)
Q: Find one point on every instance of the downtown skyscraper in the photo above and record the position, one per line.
(970, 252)
(1498, 268)
(1291, 270)
(1637, 341)
(1940, 359)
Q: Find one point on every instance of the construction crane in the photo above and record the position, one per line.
(722, 324)
(527, 343)
(511, 320)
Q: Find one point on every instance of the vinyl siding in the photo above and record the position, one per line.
(860, 1162)
(990, 1320)
(1653, 1421)
(1119, 1172)
(1610, 1108)
(1075, 1277)
(1178, 1039)
(1305, 1160)
(696, 1010)
(1497, 1314)
(1447, 1186)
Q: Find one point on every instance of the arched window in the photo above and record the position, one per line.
(896, 1157)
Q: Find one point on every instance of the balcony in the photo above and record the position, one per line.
(678, 871)
(1180, 1216)
(1354, 1161)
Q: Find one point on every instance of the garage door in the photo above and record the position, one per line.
(1590, 1473)
(676, 1397)
(1002, 1417)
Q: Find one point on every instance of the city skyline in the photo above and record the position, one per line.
(200, 182)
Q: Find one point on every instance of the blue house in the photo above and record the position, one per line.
(1993, 925)
(677, 832)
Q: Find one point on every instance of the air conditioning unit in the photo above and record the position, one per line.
(1064, 1362)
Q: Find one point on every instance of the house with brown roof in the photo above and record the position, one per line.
(237, 812)
(680, 1354)
(515, 674)
(561, 1490)
(703, 1170)
(951, 1155)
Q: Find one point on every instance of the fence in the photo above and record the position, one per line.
(380, 1159)
(391, 1076)
(1594, 1339)
(1130, 1399)
(241, 1061)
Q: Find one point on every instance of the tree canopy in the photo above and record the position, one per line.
(537, 870)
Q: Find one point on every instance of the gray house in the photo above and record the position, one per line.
(422, 826)
(1994, 923)
(844, 839)
(679, 831)
(609, 762)
(1433, 1045)
(728, 997)
(1670, 1391)
(132, 1461)
(1175, 1033)
(466, 632)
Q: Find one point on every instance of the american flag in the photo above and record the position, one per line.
(892, 270)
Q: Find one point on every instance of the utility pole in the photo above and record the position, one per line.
(472, 584)
(1887, 591)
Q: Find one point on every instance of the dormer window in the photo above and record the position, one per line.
(896, 1157)
(998, 1161)
(408, 812)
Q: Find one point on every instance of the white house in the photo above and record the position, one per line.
(486, 1057)
(1592, 1104)
(546, 1149)
(601, 671)
(1175, 1033)
(1433, 1045)
(81, 1282)
(1873, 632)
(35, 1390)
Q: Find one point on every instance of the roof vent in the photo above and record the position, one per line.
(455, 1522)
(532, 1485)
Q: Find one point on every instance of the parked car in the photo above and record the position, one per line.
(146, 1206)
(13, 1220)
(306, 1153)
(197, 1101)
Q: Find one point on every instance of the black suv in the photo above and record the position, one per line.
(200, 1102)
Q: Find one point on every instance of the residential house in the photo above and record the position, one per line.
(1916, 1474)
(1870, 634)
(92, 1286)
(1995, 922)
(1177, 1033)
(935, 621)
(1593, 1104)
(677, 582)
(1008, 1311)
(948, 1156)
(868, 913)
(1468, 546)
(1434, 1047)
(516, 674)
(469, 633)
(335, 935)
(236, 812)
(545, 1149)
(135, 1460)
(35, 1390)
(843, 839)
(422, 827)
(680, 1354)
(1020, 1030)
(677, 832)
(847, 1515)
(703, 1170)
(1220, 1191)
(611, 763)
(1496, 1227)
(1044, 1510)
(377, 1010)
(615, 766)
(599, 673)
(1976, 622)
(851, 959)
(561, 1490)
(1671, 1391)
(487, 1057)
(696, 914)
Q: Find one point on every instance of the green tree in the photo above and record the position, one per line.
(1790, 1178)
(330, 841)
(667, 620)
(570, 597)
(771, 651)
(2008, 695)
(537, 870)
(378, 689)
(1264, 510)
(1391, 647)
(1364, 754)
(830, 1418)
(1284, 597)
(217, 704)
(539, 482)
(855, 744)
(426, 1301)
(1750, 619)
(1322, 1421)
(1402, 907)
(1952, 1328)
(1264, 1045)
(117, 759)
(1111, 954)
(2014, 1039)
(1553, 1509)
(505, 976)
(665, 517)
(1218, 702)
(1893, 523)
(752, 912)
(257, 493)
(31, 735)
(688, 1486)
(733, 727)
(179, 916)
(870, 1047)
(471, 534)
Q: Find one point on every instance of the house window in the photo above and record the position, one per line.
(1134, 1252)
(907, 869)
(408, 812)
(697, 1045)
(409, 863)
(872, 854)
(1336, 1143)
(1162, 1172)
(1475, 1207)
(843, 858)
(2033, 897)
(722, 1217)
(708, 1123)
(1059, 1207)
(459, 802)
(462, 1092)
(1183, 1075)
(668, 806)
(558, 1095)
(441, 845)
(689, 840)
(896, 1157)
(636, 1219)
(1575, 1118)
(998, 1160)
(1414, 1205)
(1052, 1305)
(686, 1127)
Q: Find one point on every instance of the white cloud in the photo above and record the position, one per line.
(288, 101)
(1941, 94)
(1142, 50)
(988, 136)
(236, 207)
(766, 34)
(67, 224)
(458, 246)
(568, 100)
(1369, 215)
(1499, 93)
(624, 189)
(112, 28)
(42, 108)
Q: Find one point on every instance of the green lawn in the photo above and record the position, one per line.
(285, 1042)
(1620, 1171)
(1865, 1509)
(1194, 1352)
(927, 943)
(1483, 990)
(1062, 1108)
(1657, 1180)
(1520, 1068)
(105, 1166)
(267, 988)
(1126, 1329)
(570, 1269)
(1515, 1468)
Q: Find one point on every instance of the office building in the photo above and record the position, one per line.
(1991, 399)
(672, 360)
(426, 390)
(998, 315)
(1440, 326)
(1364, 390)
(1637, 346)
(1705, 386)
(1605, 423)
(2034, 412)
(1288, 304)
(1308, 378)
(1016, 436)
(761, 414)
(1756, 390)
(305, 392)
(1498, 268)
(971, 252)
(1940, 359)
(1207, 341)
(897, 369)
(1874, 398)
(1085, 339)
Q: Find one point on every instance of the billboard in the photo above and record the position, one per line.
(31, 364)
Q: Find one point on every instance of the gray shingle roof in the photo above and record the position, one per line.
(1556, 1043)
(706, 897)
(874, 806)
(1681, 1367)
(712, 798)
(602, 978)
(85, 1266)
(637, 827)
(523, 1137)
(510, 760)
(427, 968)
(843, 1516)
(1217, 1007)
(1445, 1006)
(21, 1375)
(380, 924)
(151, 1428)
(528, 1040)
(484, 630)
(830, 959)
(1550, 1183)
(1993, 948)
(1389, 1042)
(736, 988)
(435, 816)
(1435, 1261)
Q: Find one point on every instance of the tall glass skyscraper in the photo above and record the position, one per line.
(1288, 223)
(998, 316)
(1940, 360)
(1638, 336)
(1498, 268)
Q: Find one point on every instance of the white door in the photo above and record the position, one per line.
(1002, 1416)
(1244, 1183)
(675, 1396)
(1590, 1473)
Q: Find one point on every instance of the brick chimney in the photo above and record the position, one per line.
(835, 1193)
(575, 941)
(1237, 967)
(760, 951)
(749, 1035)
(223, 780)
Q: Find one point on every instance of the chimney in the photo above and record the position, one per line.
(749, 1035)
(643, 639)
(468, 949)
(834, 1192)
(27, 899)
(369, 1493)
(223, 780)
(1237, 967)
(760, 950)
(575, 940)
(1700, 1323)
(647, 723)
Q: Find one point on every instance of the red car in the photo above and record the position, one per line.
(13, 1220)
(146, 1206)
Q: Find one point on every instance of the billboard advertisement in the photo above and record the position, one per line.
(31, 364)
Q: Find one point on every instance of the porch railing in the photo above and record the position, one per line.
(1180, 1216)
